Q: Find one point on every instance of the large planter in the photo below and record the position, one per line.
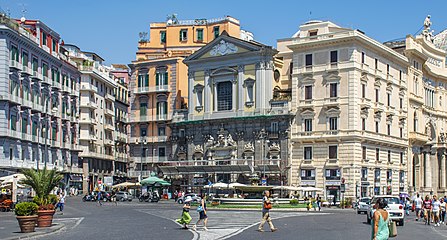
(45, 218)
(27, 223)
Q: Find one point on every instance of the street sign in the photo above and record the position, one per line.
(108, 181)
(264, 181)
(3, 191)
(342, 188)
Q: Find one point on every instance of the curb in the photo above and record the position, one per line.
(54, 229)
(274, 210)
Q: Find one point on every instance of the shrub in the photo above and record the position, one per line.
(294, 202)
(26, 209)
(42, 182)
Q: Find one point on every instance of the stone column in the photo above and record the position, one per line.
(241, 91)
(85, 177)
(207, 94)
(428, 175)
(191, 104)
(442, 176)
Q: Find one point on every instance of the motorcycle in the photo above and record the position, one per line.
(144, 197)
(89, 198)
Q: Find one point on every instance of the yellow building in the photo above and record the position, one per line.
(159, 84)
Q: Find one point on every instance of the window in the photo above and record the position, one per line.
(216, 31)
(377, 155)
(363, 90)
(333, 123)
(44, 39)
(376, 63)
(25, 59)
(388, 129)
(161, 78)
(290, 70)
(183, 35)
(313, 33)
(400, 74)
(308, 125)
(388, 98)
(401, 158)
(377, 174)
(162, 109)
(54, 45)
(333, 174)
(333, 152)
(401, 103)
(308, 60)
(416, 86)
(377, 127)
(388, 69)
(11, 153)
(415, 122)
(364, 174)
(143, 80)
(363, 57)
(143, 109)
(162, 152)
(144, 152)
(401, 132)
(363, 124)
(199, 35)
(143, 132)
(14, 53)
(161, 131)
(308, 92)
(13, 122)
(224, 96)
(429, 97)
(334, 56)
(35, 64)
(389, 156)
(274, 128)
(308, 174)
(363, 153)
(307, 153)
(162, 36)
(377, 94)
(333, 90)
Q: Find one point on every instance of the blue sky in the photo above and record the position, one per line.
(110, 28)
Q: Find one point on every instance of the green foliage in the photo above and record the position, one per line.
(294, 202)
(26, 209)
(43, 182)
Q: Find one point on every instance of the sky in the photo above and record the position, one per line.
(110, 28)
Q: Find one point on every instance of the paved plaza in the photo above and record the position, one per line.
(135, 220)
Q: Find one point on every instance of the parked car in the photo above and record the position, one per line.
(123, 196)
(363, 205)
(394, 208)
(195, 197)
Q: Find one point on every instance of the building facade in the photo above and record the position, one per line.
(349, 96)
(235, 129)
(39, 100)
(96, 117)
(159, 85)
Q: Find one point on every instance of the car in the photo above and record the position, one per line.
(195, 198)
(394, 208)
(363, 204)
(123, 196)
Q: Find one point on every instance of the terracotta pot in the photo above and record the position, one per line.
(27, 223)
(45, 218)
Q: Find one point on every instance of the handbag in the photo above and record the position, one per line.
(267, 205)
(392, 229)
(199, 208)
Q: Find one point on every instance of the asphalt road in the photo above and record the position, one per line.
(156, 221)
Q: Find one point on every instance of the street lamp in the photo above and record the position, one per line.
(143, 141)
(53, 111)
(262, 135)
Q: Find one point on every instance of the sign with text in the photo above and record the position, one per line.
(108, 181)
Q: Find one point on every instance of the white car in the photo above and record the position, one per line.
(363, 205)
(395, 209)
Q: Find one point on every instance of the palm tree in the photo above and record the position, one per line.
(43, 182)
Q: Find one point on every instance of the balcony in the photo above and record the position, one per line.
(109, 126)
(149, 159)
(108, 142)
(109, 112)
(153, 89)
(136, 173)
(15, 99)
(26, 103)
(65, 89)
(89, 87)
(87, 120)
(26, 137)
(46, 48)
(55, 143)
(418, 137)
(55, 84)
(332, 178)
(14, 65)
(364, 179)
(96, 69)
(26, 70)
(148, 139)
(87, 137)
(144, 118)
(55, 54)
(37, 76)
(162, 117)
(73, 93)
(279, 107)
(307, 178)
(110, 97)
(65, 145)
(91, 105)
(46, 80)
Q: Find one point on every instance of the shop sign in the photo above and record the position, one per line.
(365, 183)
(308, 183)
(108, 181)
(335, 183)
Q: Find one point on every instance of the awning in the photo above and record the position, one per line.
(205, 169)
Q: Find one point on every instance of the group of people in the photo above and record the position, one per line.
(431, 209)
(203, 217)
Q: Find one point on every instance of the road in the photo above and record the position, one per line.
(156, 221)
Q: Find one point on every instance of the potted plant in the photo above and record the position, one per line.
(43, 182)
(26, 216)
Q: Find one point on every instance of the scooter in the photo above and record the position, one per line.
(145, 197)
(89, 198)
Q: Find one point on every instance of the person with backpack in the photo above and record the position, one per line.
(202, 213)
(266, 206)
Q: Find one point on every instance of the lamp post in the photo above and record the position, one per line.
(262, 135)
(53, 111)
(142, 152)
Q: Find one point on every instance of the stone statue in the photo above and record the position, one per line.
(427, 32)
(230, 141)
(221, 141)
(428, 131)
(210, 141)
(427, 23)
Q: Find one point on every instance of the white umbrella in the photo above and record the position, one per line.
(9, 185)
(234, 185)
(311, 189)
(287, 188)
(10, 178)
(219, 185)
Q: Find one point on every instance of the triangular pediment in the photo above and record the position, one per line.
(224, 45)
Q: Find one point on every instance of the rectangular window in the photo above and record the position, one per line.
(333, 122)
(363, 57)
(25, 59)
(308, 174)
(13, 122)
(333, 90)
(313, 33)
(334, 56)
(143, 109)
(308, 125)
(216, 31)
(377, 127)
(363, 124)
(162, 152)
(363, 153)
(401, 103)
(400, 74)
(364, 174)
(308, 60)
(401, 158)
(388, 126)
(274, 127)
(377, 155)
(143, 132)
(388, 99)
(183, 35)
(376, 63)
(377, 94)
(363, 90)
(333, 152)
(14, 53)
(401, 132)
(162, 36)
(44, 39)
(35, 64)
(224, 96)
(307, 153)
(308, 92)
(388, 69)
(389, 156)
(54, 45)
(377, 174)
(199, 34)
(161, 131)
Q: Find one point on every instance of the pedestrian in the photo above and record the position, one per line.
(202, 213)
(427, 209)
(442, 215)
(266, 206)
(436, 209)
(175, 196)
(61, 203)
(99, 198)
(418, 204)
(407, 206)
(380, 220)
(319, 202)
(186, 218)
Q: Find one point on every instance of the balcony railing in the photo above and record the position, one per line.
(152, 89)
(47, 80)
(37, 75)
(89, 87)
(87, 120)
(110, 97)
(109, 112)
(14, 64)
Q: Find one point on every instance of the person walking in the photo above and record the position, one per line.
(319, 202)
(436, 209)
(61, 204)
(442, 213)
(98, 197)
(407, 206)
(418, 205)
(186, 218)
(380, 220)
(266, 206)
(427, 209)
(202, 213)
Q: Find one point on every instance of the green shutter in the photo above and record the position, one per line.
(157, 79)
(166, 78)
(165, 109)
(180, 36)
(146, 82)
